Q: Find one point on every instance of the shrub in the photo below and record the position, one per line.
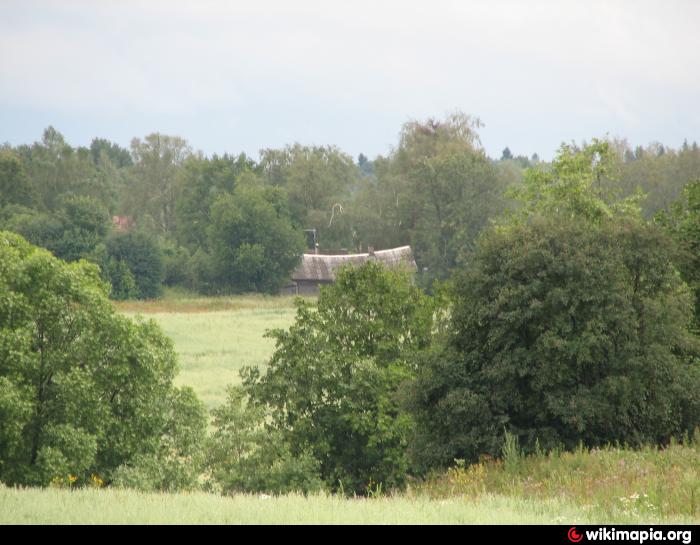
(144, 258)
(244, 456)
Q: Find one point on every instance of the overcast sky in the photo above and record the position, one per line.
(244, 75)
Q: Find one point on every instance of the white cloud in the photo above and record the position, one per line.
(594, 65)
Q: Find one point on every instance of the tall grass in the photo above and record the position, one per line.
(93, 506)
(637, 484)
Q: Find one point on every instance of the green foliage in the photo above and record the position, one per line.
(579, 183)
(177, 265)
(100, 147)
(123, 283)
(245, 456)
(56, 169)
(82, 390)
(154, 188)
(661, 177)
(333, 384)
(562, 332)
(15, 185)
(436, 192)
(319, 181)
(141, 253)
(683, 224)
(252, 242)
(203, 180)
(178, 462)
(43, 229)
(71, 233)
(85, 223)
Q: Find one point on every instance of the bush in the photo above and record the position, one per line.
(244, 456)
(562, 332)
(176, 265)
(333, 385)
(178, 462)
(83, 390)
(144, 258)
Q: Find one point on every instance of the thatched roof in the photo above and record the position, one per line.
(322, 268)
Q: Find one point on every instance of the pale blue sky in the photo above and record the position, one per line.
(240, 76)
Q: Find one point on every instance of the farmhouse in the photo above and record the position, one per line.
(317, 269)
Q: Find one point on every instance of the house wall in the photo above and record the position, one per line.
(303, 287)
(289, 289)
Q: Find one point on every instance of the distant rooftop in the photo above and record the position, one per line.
(323, 267)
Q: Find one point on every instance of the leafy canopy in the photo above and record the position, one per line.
(253, 244)
(682, 222)
(83, 391)
(562, 332)
(579, 183)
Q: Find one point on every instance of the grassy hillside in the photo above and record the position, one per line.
(32, 506)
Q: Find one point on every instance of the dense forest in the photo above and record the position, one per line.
(160, 213)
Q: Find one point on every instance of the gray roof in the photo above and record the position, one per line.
(323, 267)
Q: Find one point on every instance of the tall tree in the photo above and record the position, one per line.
(562, 331)
(203, 180)
(580, 182)
(121, 157)
(682, 222)
(319, 181)
(332, 385)
(154, 185)
(84, 391)
(56, 169)
(439, 190)
(15, 185)
(252, 241)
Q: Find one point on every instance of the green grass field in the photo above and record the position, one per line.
(52, 506)
(215, 337)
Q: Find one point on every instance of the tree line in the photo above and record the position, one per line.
(230, 223)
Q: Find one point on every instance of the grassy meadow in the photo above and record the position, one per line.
(91, 506)
(214, 337)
